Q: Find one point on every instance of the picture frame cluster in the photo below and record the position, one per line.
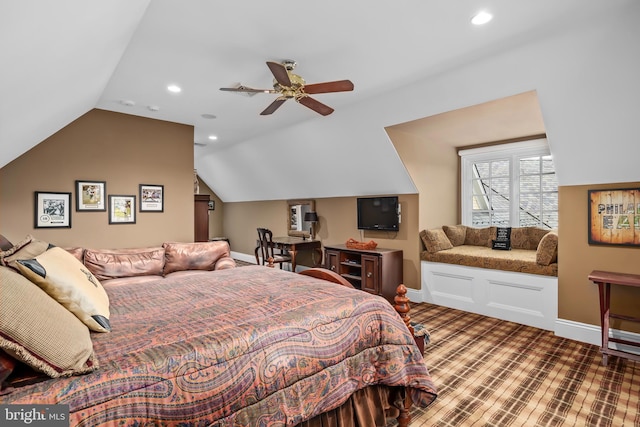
(52, 209)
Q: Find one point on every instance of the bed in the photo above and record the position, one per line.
(248, 346)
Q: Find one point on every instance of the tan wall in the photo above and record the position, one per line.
(434, 169)
(122, 150)
(577, 296)
(337, 224)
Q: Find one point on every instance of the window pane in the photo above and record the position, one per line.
(530, 165)
(528, 220)
(550, 201)
(547, 165)
(482, 169)
(500, 168)
(550, 220)
(480, 219)
(549, 182)
(530, 184)
(530, 203)
(500, 219)
(479, 187)
(480, 203)
(501, 186)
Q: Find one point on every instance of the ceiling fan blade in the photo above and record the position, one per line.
(273, 106)
(247, 89)
(316, 106)
(280, 73)
(337, 86)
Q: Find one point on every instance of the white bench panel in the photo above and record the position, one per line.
(529, 299)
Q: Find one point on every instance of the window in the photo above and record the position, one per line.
(510, 185)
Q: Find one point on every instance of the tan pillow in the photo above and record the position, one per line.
(26, 249)
(479, 236)
(37, 330)
(520, 238)
(107, 264)
(69, 282)
(193, 256)
(435, 240)
(547, 251)
(455, 233)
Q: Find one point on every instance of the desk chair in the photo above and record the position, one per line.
(266, 248)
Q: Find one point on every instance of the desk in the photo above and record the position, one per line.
(294, 245)
(604, 280)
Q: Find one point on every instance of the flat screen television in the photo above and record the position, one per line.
(378, 213)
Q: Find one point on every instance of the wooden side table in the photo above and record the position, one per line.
(604, 280)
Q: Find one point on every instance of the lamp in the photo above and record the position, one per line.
(311, 217)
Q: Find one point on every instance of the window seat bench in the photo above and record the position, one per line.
(460, 270)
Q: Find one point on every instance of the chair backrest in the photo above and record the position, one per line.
(265, 237)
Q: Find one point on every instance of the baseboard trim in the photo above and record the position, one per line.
(590, 334)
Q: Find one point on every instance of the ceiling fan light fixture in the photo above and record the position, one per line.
(481, 18)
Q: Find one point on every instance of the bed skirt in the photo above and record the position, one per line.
(371, 406)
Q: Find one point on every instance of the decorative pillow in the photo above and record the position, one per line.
(69, 282)
(547, 251)
(520, 238)
(26, 249)
(479, 236)
(503, 239)
(455, 233)
(435, 240)
(193, 256)
(37, 330)
(107, 264)
(535, 235)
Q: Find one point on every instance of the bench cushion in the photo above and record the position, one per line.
(519, 260)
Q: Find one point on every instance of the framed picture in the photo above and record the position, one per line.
(90, 196)
(151, 198)
(122, 209)
(614, 217)
(52, 210)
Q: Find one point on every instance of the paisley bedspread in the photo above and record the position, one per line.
(250, 346)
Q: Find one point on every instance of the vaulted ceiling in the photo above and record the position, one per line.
(407, 59)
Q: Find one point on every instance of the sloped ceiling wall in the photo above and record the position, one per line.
(585, 76)
(67, 54)
(585, 79)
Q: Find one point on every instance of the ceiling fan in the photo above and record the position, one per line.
(291, 86)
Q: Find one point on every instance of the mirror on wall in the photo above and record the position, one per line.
(296, 225)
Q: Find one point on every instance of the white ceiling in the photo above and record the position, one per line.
(63, 58)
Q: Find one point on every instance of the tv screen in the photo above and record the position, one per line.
(378, 213)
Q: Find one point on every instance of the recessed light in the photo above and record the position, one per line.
(127, 102)
(153, 108)
(174, 88)
(213, 137)
(208, 116)
(481, 18)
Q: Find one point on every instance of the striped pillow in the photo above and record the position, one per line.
(37, 330)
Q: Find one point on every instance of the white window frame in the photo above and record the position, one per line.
(513, 152)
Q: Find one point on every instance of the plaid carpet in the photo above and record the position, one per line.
(490, 372)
